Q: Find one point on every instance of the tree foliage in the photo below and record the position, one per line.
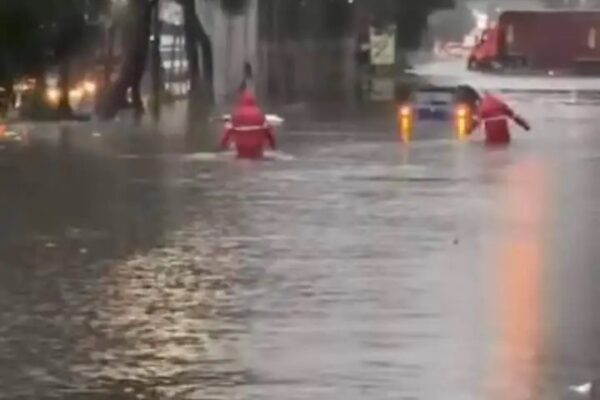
(37, 33)
(36, 36)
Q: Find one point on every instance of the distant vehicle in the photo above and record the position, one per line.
(544, 41)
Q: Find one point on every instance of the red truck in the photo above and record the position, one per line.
(556, 41)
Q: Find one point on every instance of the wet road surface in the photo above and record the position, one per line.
(352, 268)
(454, 71)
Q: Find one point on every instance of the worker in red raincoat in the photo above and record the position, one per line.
(248, 130)
(494, 115)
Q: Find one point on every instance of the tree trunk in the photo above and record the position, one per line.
(109, 54)
(195, 32)
(157, 87)
(207, 57)
(133, 65)
(141, 52)
(7, 100)
(191, 49)
(37, 104)
(64, 85)
(199, 99)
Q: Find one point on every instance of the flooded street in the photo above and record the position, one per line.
(348, 267)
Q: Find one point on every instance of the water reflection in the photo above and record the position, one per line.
(522, 208)
(68, 209)
(79, 201)
(353, 270)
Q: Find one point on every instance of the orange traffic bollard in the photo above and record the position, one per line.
(405, 123)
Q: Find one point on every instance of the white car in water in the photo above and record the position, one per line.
(430, 110)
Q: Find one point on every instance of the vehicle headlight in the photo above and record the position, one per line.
(90, 87)
(76, 94)
(53, 95)
(405, 111)
(462, 111)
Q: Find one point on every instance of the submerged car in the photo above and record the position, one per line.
(436, 111)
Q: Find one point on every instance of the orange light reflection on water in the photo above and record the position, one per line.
(518, 274)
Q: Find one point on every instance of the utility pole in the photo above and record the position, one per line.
(109, 51)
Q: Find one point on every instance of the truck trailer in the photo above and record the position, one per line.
(540, 41)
